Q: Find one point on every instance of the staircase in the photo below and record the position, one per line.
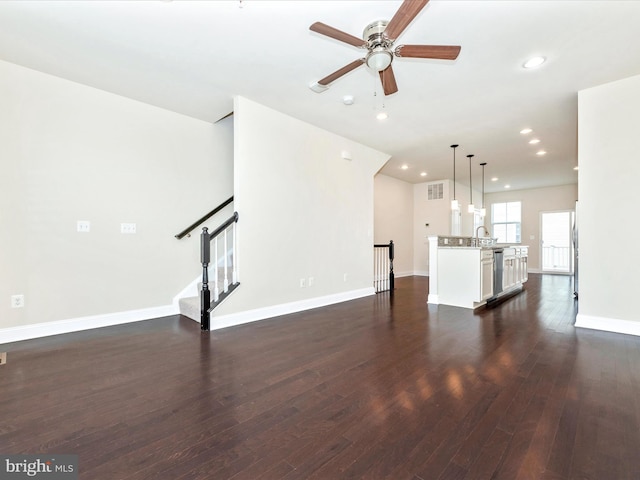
(219, 272)
(190, 306)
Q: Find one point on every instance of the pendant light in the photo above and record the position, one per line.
(454, 203)
(471, 208)
(483, 211)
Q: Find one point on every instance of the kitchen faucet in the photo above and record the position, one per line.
(486, 232)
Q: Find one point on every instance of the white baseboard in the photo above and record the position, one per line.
(615, 325)
(421, 273)
(46, 329)
(402, 274)
(239, 318)
(38, 330)
(434, 299)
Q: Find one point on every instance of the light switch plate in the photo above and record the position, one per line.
(84, 226)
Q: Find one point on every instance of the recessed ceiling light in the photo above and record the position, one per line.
(541, 153)
(494, 179)
(524, 131)
(576, 167)
(382, 116)
(423, 174)
(404, 167)
(534, 62)
(534, 141)
(507, 186)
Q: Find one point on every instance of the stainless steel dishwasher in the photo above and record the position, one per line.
(498, 267)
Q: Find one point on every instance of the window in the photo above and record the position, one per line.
(505, 221)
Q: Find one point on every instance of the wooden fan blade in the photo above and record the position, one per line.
(323, 29)
(443, 52)
(338, 73)
(388, 80)
(403, 17)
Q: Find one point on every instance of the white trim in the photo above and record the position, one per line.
(433, 299)
(46, 329)
(615, 325)
(403, 274)
(421, 273)
(239, 318)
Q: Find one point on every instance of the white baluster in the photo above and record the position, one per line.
(387, 269)
(226, 262)
(378, 286)
(375, 269)
(216, 287)
(234, 265)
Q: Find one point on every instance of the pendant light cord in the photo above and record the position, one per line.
(454, 170)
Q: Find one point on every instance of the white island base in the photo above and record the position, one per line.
(463, 276)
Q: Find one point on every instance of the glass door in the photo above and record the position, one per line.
(556, 247)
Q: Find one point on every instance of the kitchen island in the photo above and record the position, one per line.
(469, 273)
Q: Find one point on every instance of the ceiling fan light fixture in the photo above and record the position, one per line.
(316, 87)
(379, 58)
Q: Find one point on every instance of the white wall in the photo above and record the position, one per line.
(608, 120)
(534, 201)
(71, 152)
(304, 210)
(436, 213)
(393, 220)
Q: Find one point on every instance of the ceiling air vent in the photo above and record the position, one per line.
(435, 191)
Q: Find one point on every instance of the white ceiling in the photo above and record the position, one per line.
(193, 57)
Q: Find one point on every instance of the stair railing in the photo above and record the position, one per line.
(187, 231)
(222, 263)
(383, 277)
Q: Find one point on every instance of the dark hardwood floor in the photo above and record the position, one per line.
(373, 388)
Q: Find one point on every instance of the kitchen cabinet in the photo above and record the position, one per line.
(465, 276)
(486, 274)
(510, 268)
(524, 265)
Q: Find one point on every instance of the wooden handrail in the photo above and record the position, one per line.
(187, 231)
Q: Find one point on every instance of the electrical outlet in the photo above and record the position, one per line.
(17, 301)
(3, 358)
(127, 228)
(345, 277)
(302, 283)
(310, 281)
(84, 226)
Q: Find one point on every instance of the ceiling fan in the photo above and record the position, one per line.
(378, 38)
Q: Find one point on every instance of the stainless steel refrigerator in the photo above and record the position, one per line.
(574, 239)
